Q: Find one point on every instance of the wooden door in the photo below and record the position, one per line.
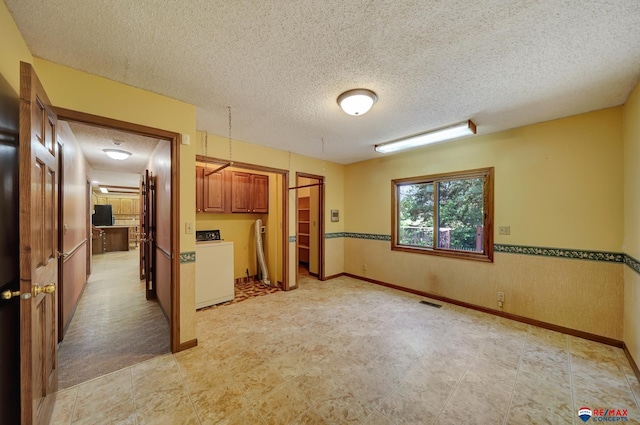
(38, 168)
(259, 193)
(241, 192)
(142, 229)
(149, 231)
(214, 192)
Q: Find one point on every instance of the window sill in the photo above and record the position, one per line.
(462, 255)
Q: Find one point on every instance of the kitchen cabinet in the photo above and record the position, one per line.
(199, 188)
(240, 192)
(136, 206)
(212, 191)
(215, 192)
(259, 193)
(116, 205)
(249, 193)
(126, 206)
(231, 192)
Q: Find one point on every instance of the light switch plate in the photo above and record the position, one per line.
(186, 139)
(188, 228)
(504, 230)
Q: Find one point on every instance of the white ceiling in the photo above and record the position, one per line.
(281, 64)
(106, 171)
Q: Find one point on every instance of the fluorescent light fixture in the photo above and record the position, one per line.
(447, 133)
(357, 101)
(104, 189)
(117, 154)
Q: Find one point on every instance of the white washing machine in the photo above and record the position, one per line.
(214, 273)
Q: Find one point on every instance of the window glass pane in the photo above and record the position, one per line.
(460, 214)
(415, 214)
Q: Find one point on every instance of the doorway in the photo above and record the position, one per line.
(310, 225)
(276, 230)
(114, 256)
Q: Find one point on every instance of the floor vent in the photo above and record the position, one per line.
(430, 304)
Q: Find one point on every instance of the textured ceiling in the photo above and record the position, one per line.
(281, 64)
(93, 140)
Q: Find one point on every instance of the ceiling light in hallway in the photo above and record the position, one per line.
(117, 154)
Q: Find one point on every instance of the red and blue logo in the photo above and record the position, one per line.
(585, 413)
(603, 415)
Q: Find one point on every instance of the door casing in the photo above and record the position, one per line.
(174, 139)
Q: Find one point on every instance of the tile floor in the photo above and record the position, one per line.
(349, 352)
(114, 326)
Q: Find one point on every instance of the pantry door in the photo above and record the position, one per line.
(38, 171)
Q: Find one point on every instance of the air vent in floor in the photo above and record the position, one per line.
(430, 304)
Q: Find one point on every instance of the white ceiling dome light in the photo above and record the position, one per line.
(117, 154)
(357, 101)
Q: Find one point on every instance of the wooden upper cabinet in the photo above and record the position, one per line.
(199, 189)
(116, 205)
(136, 206)
(126, 206)
(231, 192)
(240, 192)
(259, 193)
(214, 199)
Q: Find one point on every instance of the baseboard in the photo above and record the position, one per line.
(73, 313)
(187, 344)
(632, 362)
(533, 322)
(333, 276)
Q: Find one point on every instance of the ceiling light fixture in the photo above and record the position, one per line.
(357, 102)
(104, 189)
(440, 135)
(117, 154)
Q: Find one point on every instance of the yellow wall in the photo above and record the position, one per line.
(13, 48)
(557, 184)
(631, 246)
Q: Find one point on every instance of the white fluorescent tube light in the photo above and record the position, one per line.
(104, 190)
(447, 133)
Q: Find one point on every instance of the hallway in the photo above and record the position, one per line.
(114, 326)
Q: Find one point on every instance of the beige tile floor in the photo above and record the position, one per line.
(114, 325)
(349, 352)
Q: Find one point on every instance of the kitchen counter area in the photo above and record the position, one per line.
(117, 238)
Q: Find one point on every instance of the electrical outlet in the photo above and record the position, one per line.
(364, 267)
(504, 230)
(188, 228)
(501, 297)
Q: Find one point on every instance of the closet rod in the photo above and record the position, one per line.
(306, 185)
(218, 169)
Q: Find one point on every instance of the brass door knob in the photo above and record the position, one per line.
(7, 295)
(47, 289)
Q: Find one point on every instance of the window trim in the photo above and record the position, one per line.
(488, 191)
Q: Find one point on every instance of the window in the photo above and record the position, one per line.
(446, 214)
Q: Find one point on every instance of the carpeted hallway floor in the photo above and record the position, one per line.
(114, 326)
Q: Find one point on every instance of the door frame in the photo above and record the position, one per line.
(174, 139)
(321, 235)
(285, 207)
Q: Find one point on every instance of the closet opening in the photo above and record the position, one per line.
(310, 225)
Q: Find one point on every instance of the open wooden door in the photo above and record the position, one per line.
(147, 251)
(142, 229)
(38, 168)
